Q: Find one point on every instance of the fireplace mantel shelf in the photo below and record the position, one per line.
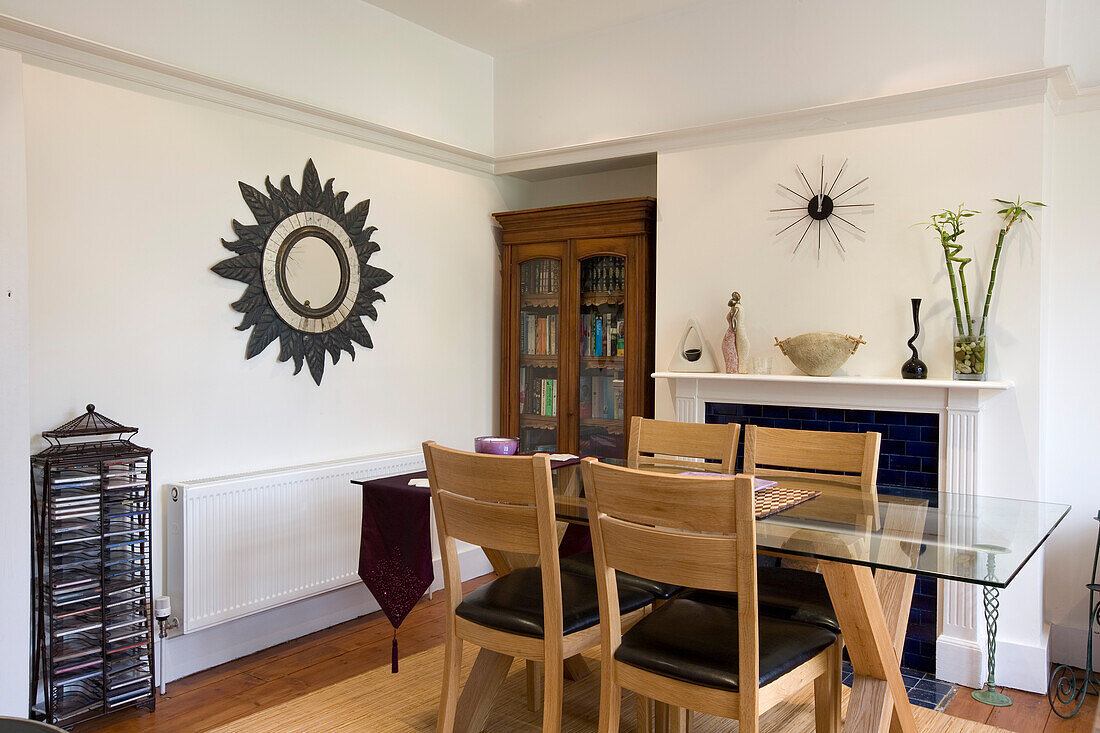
(995, 386)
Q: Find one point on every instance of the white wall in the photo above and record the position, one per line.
(716, 235)
(583, 188)
(1074, 40)
(722, 60)
(344, 55)
(15, 528)
(1073, 402)
(126, 209)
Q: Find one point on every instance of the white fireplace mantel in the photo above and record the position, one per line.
(960, 644)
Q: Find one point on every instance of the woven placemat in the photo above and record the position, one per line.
(776, 499)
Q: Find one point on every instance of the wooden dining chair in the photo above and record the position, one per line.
(535, 613)
(813, 454)
(674, 447)
(729, 661)
(666, 445)
(796, 591)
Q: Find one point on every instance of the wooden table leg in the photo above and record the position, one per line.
(878, 701)
(480, 691)
(576, 668)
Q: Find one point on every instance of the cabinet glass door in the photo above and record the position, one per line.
(602, 327)
(538, 339)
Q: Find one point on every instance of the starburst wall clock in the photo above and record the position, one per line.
(305, 262)
(821, 206)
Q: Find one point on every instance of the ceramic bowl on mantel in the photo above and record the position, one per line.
(821, 353)
(496, 445)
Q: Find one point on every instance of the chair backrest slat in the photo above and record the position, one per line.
(507, 527)
(503, 479)
(650, 497)
(675, 557)
(775, 452)
(657, 444)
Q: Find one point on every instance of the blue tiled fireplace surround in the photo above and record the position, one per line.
(908, 466)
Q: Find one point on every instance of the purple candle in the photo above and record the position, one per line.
(496, 445)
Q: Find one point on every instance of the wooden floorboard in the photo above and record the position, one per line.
(1029, 713)
(241, 687)
(272, 676)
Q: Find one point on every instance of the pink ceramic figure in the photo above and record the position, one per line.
(729, 342)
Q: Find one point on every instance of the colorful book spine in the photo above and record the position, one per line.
(598, 336)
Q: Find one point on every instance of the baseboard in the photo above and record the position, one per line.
(1019, 666)
(1024, 666)
(961, 661)
(187, 654)
(1070, 646)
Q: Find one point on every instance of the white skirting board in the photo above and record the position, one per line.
(1019, 666)
(190, 653)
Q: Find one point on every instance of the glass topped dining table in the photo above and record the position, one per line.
(849, 532)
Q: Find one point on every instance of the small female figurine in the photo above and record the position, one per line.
(735, 344)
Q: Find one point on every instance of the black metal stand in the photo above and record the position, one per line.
(1064, 691)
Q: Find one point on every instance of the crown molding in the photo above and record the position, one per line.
(1055, 84)
(1000, 91)
(41, 43)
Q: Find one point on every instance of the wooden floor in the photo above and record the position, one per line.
(239, 688)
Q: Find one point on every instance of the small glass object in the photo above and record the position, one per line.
(761, 365)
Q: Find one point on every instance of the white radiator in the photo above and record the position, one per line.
(255, 541)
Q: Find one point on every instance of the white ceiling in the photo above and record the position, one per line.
(499, 26)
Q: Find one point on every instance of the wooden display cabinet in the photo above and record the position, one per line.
(577, 324)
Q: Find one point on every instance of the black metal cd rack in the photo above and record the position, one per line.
(93, 607)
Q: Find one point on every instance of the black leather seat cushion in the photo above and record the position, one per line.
(585, 564)
(697, 642)
(784, 593)
(513, 603)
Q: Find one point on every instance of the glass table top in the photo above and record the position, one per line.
(983, 540)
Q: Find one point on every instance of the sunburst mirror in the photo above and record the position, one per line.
(821, 205)
(305, 264)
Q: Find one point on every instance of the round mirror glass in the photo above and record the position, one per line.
(312, 272)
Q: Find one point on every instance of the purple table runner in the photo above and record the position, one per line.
(395, 547)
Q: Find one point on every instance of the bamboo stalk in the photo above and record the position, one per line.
(992, 279)
(963, 262)
(954, 289)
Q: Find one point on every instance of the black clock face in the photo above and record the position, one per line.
(822, 205)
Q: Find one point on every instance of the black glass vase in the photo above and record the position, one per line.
(914, 368)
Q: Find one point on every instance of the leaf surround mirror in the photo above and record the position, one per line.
(305, 263)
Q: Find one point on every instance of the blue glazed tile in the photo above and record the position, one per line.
(869, 427)
(788, 424)
(802, 413)
(903, 463)
(923, 419)
(920, 479)
(924, 698)
(891, 477)
(903, 432)
(930, 435)
(930, 465)
(815, 425)
(751, 410)
(867, 416)
(924, 450)
(892, 447)
(773, 411)
(885, 417)
(843, 427)
(831, 414)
